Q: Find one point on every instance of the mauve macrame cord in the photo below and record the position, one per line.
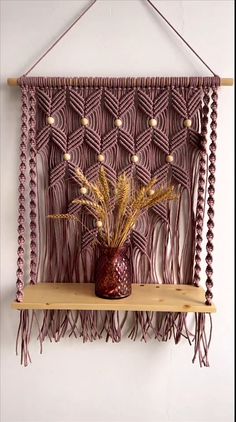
(201, 189)
(22, 180)
(210, 200)
(33, 186)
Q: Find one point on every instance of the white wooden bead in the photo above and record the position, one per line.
(187, 123)
(101, 158)
(66, 156)
(51, 120)
(83, 190)
(99, 224)
(151, 192)
(152, 122)
(84, 121)
(118, 122)
(134, 158)
(169, 158)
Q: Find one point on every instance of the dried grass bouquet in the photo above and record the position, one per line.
(118, 208)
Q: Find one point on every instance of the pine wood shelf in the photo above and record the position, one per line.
(145, 297)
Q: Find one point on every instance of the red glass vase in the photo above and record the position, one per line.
(113, 273)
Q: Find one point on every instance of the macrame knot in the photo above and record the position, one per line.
(20, 261)
(209, 235)
(198, 238)
(210, 213)
(200, 189)
(211, 190)
(197, 268)
(199, 222)
(21, 188)
(21, 208)
(209, 247)
(212, 156)
(199, 228)
(212, 179)
(210, 224)
(32, 204)
(33, 215)
(202, 173)
(209, 271)
(209, 283)
(22, 167)
(19, 285)
(33, 225)
(33, 236)
(22, 178)
(209, 259)
(32, 184)
(211, 201)
(20, 250)
(32, 197)
(198, 249)
(21, 240)
(23, 150)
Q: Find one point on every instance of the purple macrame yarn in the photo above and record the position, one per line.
(166, 243)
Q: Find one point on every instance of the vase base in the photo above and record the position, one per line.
(111, 297)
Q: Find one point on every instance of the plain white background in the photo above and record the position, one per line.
(130, 381)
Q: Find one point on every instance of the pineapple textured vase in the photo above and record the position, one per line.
(113, 273)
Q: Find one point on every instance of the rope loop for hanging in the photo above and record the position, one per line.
(88, 8)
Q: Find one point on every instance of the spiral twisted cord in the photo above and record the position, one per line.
(201, 189)
(33, 186)
(21, 198)
(210, 200)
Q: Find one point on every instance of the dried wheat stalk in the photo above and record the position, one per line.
(115, 225)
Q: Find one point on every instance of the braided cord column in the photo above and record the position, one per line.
(201, 189)
(210, 200)
(33, 187)
(21, 209)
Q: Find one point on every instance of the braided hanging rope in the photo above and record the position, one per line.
(21, 209)
(210, 200)
(33, 186)
(201, 189)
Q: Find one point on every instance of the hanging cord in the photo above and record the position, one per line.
(59, 39)
(201, 188)
(180, 36)
(22, 189)
(210, 200)
(87, 9)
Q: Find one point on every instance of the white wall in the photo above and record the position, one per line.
(130, 381)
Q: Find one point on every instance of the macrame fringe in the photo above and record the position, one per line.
(93, 325)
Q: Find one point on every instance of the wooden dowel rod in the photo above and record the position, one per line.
(226, 81)
(12, 82)
(223, 81)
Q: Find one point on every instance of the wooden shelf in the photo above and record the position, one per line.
(144, 297)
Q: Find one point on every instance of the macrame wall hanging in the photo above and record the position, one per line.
(163, 127)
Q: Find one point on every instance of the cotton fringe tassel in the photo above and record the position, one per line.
(93, 325)
(201, 339)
